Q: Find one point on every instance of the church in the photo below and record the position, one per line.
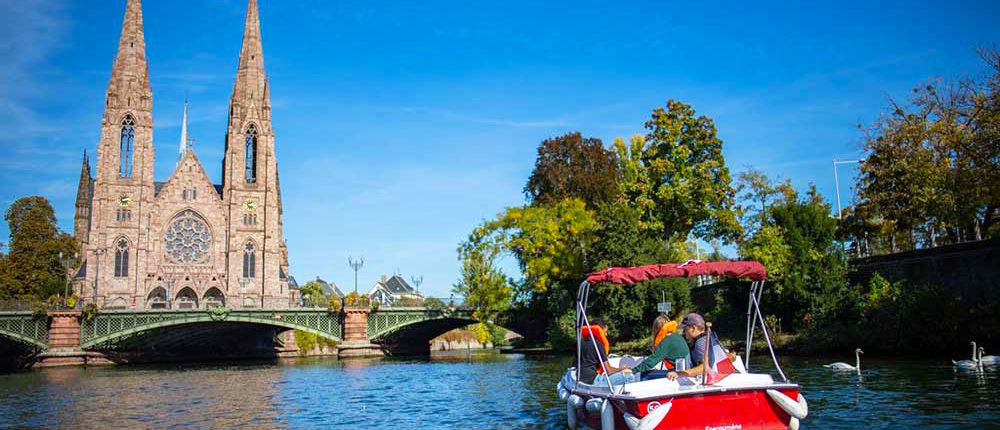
(186, 243)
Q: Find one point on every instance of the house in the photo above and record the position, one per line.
(393, 290)
(330, 289)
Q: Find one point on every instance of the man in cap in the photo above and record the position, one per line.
(693, 329)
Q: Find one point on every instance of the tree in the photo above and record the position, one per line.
(484, 286)
(549, 242)
(571, 166)
(32, 267)
(636, 184)
(682, 158)
(313, 296)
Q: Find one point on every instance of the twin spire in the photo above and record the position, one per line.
(130, 63)
(131, 68)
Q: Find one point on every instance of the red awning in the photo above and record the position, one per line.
(631, 275)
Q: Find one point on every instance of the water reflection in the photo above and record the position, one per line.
(456, 390)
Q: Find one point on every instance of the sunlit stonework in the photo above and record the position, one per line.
(150, 244)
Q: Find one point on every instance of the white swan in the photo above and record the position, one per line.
(844, 366)
(989, 359)
(968, 364)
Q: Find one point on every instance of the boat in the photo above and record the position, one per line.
(741, 400)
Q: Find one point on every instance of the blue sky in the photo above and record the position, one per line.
(402, 125)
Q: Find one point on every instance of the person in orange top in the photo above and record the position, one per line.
(591, 358)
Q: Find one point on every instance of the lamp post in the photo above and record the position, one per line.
(836, 182)
(417, 281)
(356, 265)
(97, 270)
(170, 282)
(243, 291)
(66, 263)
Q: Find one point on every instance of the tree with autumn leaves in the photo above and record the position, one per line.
(591, 207)
(932, 171)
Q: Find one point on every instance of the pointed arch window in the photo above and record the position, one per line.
(127, 147)
(249, 261)
(251, 154)
(121, 258)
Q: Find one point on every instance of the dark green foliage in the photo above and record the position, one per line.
(32, 268)
(629, 310)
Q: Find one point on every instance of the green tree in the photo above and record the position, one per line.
(483, 285)
(549, 242)
(32, 267)
(572, 166)
(683, 159)
(312, 294)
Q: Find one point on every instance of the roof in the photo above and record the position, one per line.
(397, 285)
(329, 288)
(82, 273)
(292, 283)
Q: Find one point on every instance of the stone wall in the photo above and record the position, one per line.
(971, 270)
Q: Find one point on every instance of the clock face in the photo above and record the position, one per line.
(124, 200)
(250, 205)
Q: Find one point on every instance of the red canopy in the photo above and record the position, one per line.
(630, 275)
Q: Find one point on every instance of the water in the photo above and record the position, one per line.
(451, 391)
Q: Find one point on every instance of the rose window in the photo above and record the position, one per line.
(187, 238)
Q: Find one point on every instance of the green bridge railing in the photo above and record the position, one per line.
(107, 328)
(26, 327)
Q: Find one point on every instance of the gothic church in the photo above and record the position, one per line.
(184, 243)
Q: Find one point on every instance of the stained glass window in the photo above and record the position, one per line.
(127, 146)
(121, 258)
(251, 154)
(188, 239)
(249, 261)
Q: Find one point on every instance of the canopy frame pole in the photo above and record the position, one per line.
(579, 297)
(763, 327)
(750, 325)
(607, 376)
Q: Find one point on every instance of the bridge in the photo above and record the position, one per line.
(73, 337)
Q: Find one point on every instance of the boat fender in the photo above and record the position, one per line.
(650, 421)
(793, 424)
(572, 402)
(607, 415)
(631, 421)
(594, 405)
(797, 409)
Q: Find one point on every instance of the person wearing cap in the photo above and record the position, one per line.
(693, 329)
(669, 348)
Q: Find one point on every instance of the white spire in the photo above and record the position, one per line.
(184, 131)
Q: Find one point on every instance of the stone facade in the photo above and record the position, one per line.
(184, 243)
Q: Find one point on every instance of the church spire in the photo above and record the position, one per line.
(130, 62)
(184, 133)
(250, 78)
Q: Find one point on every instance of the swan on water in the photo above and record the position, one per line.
(968, 364)
(844, 366)
(989, 359)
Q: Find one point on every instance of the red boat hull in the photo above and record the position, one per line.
(731, 410)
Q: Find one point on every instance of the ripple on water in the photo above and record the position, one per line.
(456, 391)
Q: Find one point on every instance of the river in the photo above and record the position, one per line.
(456, 390)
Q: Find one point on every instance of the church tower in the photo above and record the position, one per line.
(250, 178)
(123, 187)
(84, 196)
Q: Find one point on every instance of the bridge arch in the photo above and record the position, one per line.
(111, 330)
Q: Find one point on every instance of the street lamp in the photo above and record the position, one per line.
(836, 182)
(171, 279)
(356, 265)
(97, 270)
(66, 263)
(243, 291)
